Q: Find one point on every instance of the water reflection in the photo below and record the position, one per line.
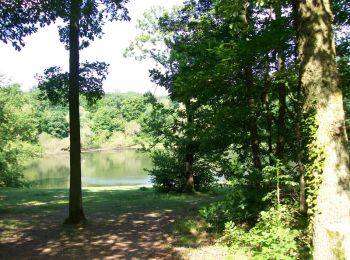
(123, 167)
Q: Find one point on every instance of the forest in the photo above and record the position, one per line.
(249, 150)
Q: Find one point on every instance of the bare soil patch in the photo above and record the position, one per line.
(139, 229)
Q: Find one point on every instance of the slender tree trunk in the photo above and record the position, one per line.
(282, 93)
(268, 118)
(189, 156)
(250, 88)
(281, 121)
(76, 213)
(320, 84)
(300, 154)
(252, 118)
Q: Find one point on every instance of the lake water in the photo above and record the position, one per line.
(120, 167)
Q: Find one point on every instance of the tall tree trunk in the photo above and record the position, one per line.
(282, 93)
(299, 110)
(301, 168)
(76, 213)
(268, 117)
(252, 118)
(250, 88)
(189, 156)
(320, 84)
(281, 121)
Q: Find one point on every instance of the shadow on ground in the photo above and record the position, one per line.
(122, 225)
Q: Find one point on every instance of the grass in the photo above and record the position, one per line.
(116, 200)
(26, 213)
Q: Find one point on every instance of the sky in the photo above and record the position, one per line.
(43, 50)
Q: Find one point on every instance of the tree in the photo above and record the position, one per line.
(83, 23)
(85, 19)
(76, 213)
(21, 18)
(18, 130)
(133, 107)
(323, 99)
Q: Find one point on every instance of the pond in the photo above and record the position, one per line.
(103, 168)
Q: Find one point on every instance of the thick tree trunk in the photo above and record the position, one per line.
(319, 80)
(189, 187)
(76, 213)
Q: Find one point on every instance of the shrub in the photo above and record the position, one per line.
(241, 205)
(168, 170)
(243, 202)
(273, 237)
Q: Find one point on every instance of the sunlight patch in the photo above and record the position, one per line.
(153, 215)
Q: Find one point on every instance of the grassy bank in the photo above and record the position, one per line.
(122, 222)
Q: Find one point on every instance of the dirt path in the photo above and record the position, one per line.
(131, 236)
(122, 224)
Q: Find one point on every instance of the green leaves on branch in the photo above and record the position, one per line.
(54, 83)
(18, 131)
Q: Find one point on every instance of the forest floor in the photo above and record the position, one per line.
(123, 223)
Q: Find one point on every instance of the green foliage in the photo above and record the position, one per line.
(54, 122)
(133, 107)
(168, 170)
(107, 119)
(241, 205)
(18, 131)
(273, 237)
(250, 193)
(54, 84)
(281, 182)
(116, 119)
(314, 166)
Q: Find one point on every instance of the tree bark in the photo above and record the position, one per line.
(268, 119)
(189, 187)
(300, 153)
(76, 213)
(281, 121)
(189, 156)
(252, 118)
(320, 84)
(250, 89)
(282, 93)
(299, 109)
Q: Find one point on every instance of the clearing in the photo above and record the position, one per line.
(123, 223)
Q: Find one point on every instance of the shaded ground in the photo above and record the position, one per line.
(123, 224)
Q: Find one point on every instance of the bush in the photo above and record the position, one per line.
(168, 171)
(273, 237)
(243, 202)
(11, 172)
(18, 131)
(251, 191)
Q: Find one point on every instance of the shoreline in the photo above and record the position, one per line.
(92, 150)
(103, 149)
